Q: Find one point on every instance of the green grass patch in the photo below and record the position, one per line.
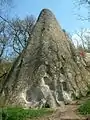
(84, 109)
(15, 113)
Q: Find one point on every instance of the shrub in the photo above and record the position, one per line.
(84, 109)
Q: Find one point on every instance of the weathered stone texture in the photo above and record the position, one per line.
(48, 71)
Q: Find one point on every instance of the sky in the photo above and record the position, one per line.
(64, 11)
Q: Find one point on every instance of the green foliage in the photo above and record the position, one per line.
(14, 113)
(84, 109)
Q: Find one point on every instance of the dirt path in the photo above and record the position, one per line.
(66, 113)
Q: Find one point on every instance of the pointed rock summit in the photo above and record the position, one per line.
(48, 73)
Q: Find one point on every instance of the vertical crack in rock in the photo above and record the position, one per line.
(48, 72)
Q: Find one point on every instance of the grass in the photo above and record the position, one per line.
(14, 113)
(84, 109)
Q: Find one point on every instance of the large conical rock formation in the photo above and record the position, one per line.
(48, 72)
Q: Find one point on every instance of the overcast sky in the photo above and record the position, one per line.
(64, 11)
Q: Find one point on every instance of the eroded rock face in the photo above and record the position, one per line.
(47, 73)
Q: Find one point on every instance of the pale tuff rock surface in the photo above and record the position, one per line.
(47, 73)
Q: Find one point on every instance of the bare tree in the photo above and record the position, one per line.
(82, 38)
(5, 5)
(20, 31)
(14, 36)
(3, 38)
(82, 4)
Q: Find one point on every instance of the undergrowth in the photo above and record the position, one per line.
(14, 113)
(84, 109)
